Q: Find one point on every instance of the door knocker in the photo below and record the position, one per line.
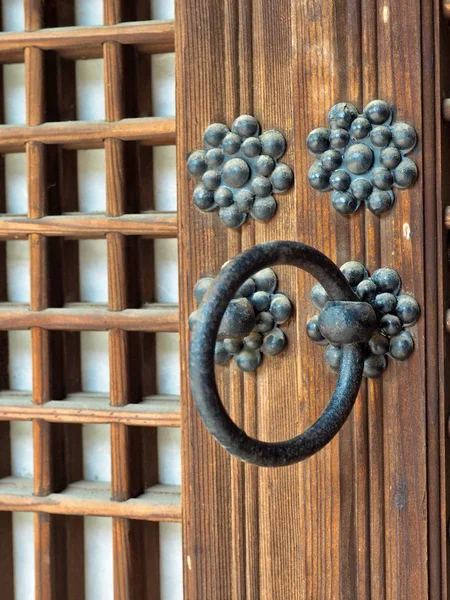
(362, 319)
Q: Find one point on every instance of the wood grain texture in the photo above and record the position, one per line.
(86, 42)
(89, 498)
(51, 469)
(153, 224)
(153, 411)
(355, 520)
(155, 131)
(85, 317)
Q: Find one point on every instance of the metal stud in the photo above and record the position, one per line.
(250, 326)
(238, 172)
(394, 310)
(362, 157)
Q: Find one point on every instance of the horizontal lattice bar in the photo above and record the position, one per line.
(154, 411)
(153, 131)
(86, 42)
(151, 224)
(89, 498)
(88, 317)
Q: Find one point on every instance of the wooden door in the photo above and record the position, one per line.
(365, 518)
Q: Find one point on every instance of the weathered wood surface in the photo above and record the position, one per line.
(92, 498)
(86, 42)
(362, 518)
(157, 131)
(154, 224)
(91, 317)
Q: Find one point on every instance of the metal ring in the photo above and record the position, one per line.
(202, 376)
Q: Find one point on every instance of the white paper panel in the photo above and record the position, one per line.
(162, 9)
(18, 271)
(91, 180)
(20, 376)
(14, 94)
(171, 561)
(13, 15)
(98, 558)
(88, 12)
(163, 84)
(90, 90)
(96, 453)
(93, 271)
(16, 184)
(23, 555)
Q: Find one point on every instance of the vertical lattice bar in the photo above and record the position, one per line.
(52, 467)
(136, 574)
(6, 533)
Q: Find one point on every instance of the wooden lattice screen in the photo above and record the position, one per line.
(57, 495)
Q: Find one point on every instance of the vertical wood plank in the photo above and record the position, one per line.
(439, 554)
(400, 82)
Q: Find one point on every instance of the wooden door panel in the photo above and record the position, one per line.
(354, 520)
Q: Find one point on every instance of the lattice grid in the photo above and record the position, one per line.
(58, 495)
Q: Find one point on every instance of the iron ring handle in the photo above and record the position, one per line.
(202, 376)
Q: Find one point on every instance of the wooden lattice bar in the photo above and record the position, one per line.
(87, 498)
(129, 470)
(57, 406)
(155, 131)
(50, 468)
(90, 317)
(152, 411)
(154, 224)
(86, 42)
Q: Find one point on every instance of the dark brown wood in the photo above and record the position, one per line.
(442, 79)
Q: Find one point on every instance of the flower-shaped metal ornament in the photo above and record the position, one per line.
(250, 326)
(362, 157)
(395, 312)
(238, 171)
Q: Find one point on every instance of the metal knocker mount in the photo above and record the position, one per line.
(238, 171)
(362, 157)
(250, 326)
(347, 321)
(394, 309)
